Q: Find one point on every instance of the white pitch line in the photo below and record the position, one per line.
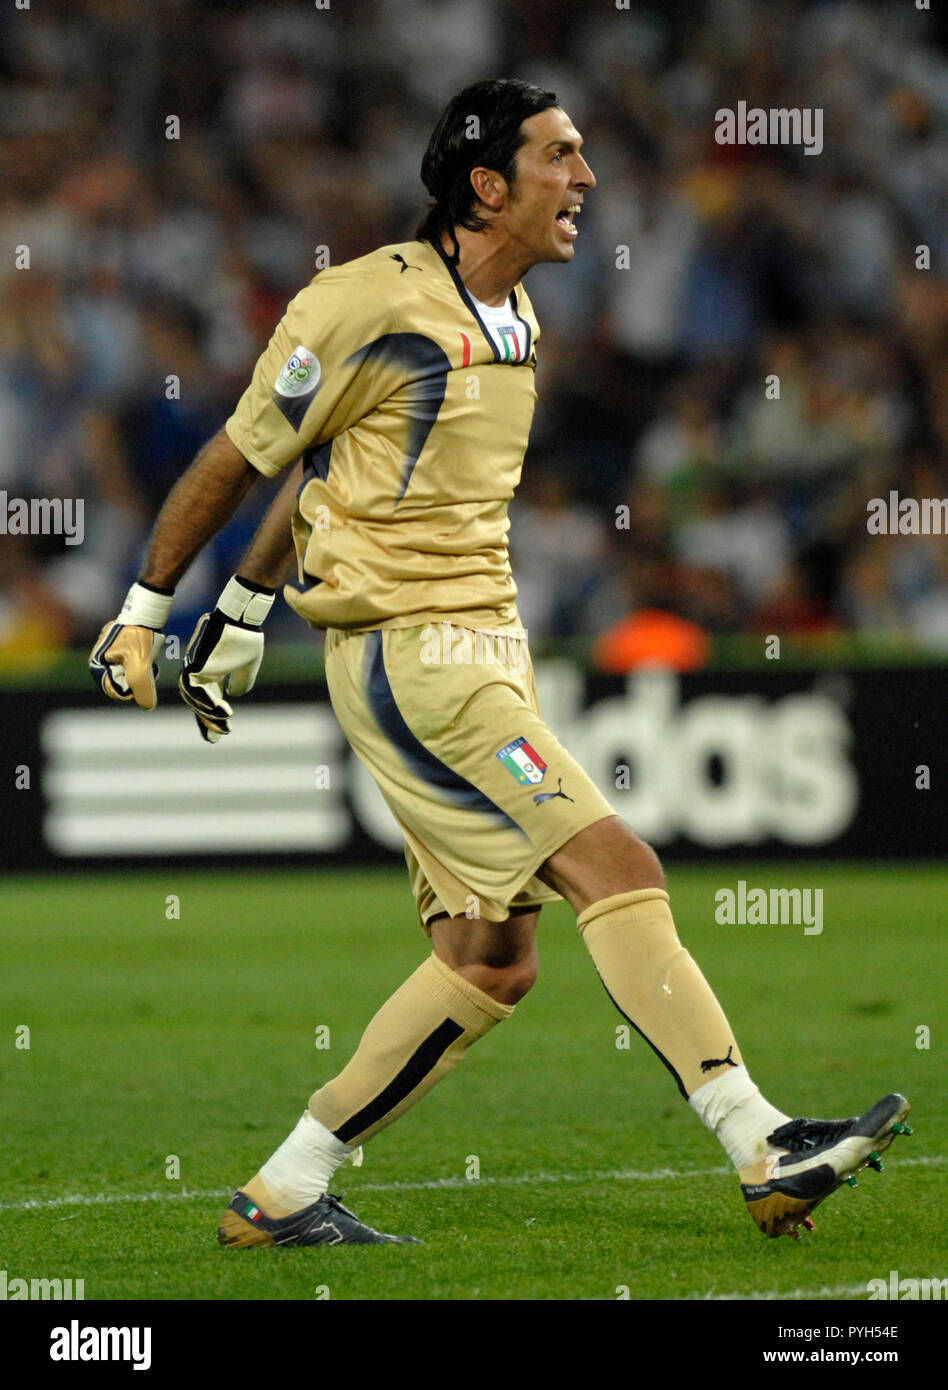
(528, 1179)
(108, 1199)
(777, 1295)
(430, 1184)
(455, 1184)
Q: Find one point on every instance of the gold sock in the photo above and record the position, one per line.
(415, 1039)
(655, 984)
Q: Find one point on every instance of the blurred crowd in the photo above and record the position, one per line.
(666, 469)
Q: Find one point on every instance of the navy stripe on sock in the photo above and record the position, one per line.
(660, 1055)
(411, 1075)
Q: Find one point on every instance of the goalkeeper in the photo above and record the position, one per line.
(399, 391)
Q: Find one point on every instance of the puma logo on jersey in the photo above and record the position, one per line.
(404, 264)
(540, 797)
(713, 1062)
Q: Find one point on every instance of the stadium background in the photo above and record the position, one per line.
(661, 478)
(154, 256)
(302, 129)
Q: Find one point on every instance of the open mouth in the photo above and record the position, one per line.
(564, 220)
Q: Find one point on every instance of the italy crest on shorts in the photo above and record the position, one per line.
(523, 762)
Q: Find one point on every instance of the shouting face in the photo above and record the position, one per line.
(539, 208)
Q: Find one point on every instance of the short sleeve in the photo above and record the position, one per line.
(312, 382)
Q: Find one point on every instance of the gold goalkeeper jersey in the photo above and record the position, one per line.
(411, 408)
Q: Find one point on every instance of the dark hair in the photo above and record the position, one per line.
(459, 144)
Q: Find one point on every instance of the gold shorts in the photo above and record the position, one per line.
(447, 722)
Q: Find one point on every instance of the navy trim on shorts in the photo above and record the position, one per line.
(420, 759)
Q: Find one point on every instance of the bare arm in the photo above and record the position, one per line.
(271, 556)
(123, 658)
(198, 506)
(225, 653)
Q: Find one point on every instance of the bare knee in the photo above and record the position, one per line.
(647, 864)
(605, 859)
(507, 984)
(498, 958)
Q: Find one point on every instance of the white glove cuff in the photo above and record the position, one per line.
(244, 605)
(144, 608)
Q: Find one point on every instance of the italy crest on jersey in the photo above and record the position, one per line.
(523, 762)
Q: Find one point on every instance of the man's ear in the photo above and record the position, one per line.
(490, 188)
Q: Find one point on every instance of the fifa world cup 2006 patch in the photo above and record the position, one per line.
(299, 374)
(523, 762)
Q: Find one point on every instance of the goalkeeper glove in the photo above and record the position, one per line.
(224, 655)
(124, 660)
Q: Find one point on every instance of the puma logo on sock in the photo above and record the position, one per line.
(713, 1062)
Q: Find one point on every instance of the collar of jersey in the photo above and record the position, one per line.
(472, 307)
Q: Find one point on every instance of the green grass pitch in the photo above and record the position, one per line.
(153, 1037)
